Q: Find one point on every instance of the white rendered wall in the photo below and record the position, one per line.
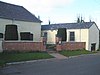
(94, 36)
(34, 28)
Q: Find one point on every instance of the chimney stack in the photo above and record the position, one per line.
(38, 17)
(49, 22)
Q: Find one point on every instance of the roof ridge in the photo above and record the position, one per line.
(69, 23)
(85, 25)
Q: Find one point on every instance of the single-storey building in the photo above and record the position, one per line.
(73, 35)
(19, 29)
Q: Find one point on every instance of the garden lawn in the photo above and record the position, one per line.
(75, 52)
(15, 57)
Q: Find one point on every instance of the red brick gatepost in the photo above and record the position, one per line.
(58, 47)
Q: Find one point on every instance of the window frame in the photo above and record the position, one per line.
(1, 35)
(26, 36)
(72, 36)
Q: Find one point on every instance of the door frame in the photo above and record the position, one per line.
(93, 46)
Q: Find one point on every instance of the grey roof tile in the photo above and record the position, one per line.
(15, 12)
(84, 25)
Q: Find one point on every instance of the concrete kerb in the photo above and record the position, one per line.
(83, 55)
(30, 61)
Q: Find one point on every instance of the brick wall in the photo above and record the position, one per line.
(23, 46)
(71, 46)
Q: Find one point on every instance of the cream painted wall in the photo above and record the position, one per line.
(81, 35)
(51, 35)
(94, 36)
(34, 28)
(77, 34)
(85, 37)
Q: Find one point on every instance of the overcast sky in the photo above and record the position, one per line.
(62, 11)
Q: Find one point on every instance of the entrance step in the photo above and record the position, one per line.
(50, 46)
(51, 51)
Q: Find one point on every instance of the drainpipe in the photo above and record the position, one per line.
(13, 21)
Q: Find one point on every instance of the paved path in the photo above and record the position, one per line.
(58, 56)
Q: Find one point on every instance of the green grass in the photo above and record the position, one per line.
(75, 52)
(15, 57)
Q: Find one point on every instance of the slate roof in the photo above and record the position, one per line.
(15, 12)
(85, 25)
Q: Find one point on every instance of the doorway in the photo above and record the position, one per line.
(93, 46)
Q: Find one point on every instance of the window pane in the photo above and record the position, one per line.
(26, 36)
(11, 32)
(45, 34)
(1, 35)
(72, 36)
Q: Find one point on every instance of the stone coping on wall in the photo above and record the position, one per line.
(21, 41)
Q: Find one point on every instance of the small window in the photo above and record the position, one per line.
(26, 36)
(72, 36)
(1, 35)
